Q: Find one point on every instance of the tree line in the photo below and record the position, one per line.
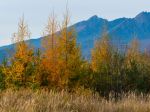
(59, 63)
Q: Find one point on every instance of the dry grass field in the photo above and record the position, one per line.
(42, 101)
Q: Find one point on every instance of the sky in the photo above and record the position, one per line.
(36, 13)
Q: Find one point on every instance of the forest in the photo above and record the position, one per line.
(59, 64)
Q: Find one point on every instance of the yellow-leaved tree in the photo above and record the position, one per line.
(101, 53)
(70, 60)
(134, 64)
(133, 52)
(101, 64)
(21, 62)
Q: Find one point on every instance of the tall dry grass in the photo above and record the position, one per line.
(42, 101)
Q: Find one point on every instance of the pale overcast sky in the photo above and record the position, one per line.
(37, 11)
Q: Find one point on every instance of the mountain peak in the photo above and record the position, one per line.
(143, 14)
(95, 17)
(143, 17)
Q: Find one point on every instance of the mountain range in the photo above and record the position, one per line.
(122, 29)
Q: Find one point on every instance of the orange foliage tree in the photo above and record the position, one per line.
(50, 56)
(21, 62)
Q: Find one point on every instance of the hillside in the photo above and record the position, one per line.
(122, 29)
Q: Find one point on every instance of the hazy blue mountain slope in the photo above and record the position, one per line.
(122, 29)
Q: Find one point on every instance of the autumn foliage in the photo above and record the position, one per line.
(59, 63)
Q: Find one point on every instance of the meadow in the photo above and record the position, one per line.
(52, 101)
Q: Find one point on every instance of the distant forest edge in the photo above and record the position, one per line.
(58, 63)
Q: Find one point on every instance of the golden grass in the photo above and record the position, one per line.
(42, 101)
